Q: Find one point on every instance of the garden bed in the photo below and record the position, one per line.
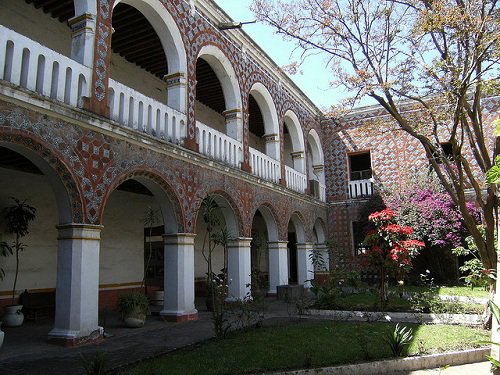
(306, 345)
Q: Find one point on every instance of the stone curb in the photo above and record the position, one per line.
(390, 366)
(368, 316)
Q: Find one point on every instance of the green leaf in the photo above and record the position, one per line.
(493, 175)
(495, 310)
(497, 127)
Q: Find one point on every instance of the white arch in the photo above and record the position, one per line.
(60, 192)
(271, 225)
(224, 71)
(294, 129)
(166, 206)
(166, 28)
(230, 218)
(299, 228)
(315, 147)
(320, 232)
(267, 108)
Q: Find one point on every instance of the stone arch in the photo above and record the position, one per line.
(293, 124)
(314, 144)
(270, 217)
(229, 209)
(266, 104)
(320, 229)
(167, 30)
(68, 196)
(161, 189)
(298, 222)
(225, 72)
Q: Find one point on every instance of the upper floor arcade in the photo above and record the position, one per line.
(164, 69)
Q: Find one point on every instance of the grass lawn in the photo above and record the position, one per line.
(463, 291)
(303, 345)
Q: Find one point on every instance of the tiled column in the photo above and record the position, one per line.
(176, 91)
(239, 268)
(278, 265)
(178, 303)
(234, 126)
(83, 38)
(77, 287)
(305, 269)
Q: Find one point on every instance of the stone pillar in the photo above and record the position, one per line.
(239, 268)
(305, 268)
(83, 38)
(299, 161)
(234, 127)
(178, 304)
(77, 287)
(278, 265)
(272, 145)
(176, 91)
(322, 249)
(319, 171)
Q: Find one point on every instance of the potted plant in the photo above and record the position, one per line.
(18, 216)
(133, 307)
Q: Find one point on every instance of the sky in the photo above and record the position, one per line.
(315, 77)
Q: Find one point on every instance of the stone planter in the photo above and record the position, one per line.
(13, 316)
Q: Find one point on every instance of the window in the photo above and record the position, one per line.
(358, 236)
(360, 166)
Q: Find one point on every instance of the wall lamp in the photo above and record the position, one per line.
(233, 25)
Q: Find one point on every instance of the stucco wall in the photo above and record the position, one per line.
(38, 262)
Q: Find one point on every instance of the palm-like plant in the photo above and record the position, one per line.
(18, 217)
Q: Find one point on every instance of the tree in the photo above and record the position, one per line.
(428, 64)
(390, 249)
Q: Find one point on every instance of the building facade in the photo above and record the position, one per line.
(110, 108)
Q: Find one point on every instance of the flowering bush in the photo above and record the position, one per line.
(429, 210)
(390, 248)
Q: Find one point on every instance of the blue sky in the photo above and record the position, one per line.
(314, 80)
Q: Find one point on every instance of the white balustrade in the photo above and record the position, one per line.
(264, 166)
(295, 180)
(27, 63)
(218, 146)
(360, 188)
(137, 111)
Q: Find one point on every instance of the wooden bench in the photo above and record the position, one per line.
(38, 304)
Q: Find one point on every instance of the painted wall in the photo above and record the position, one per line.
(209, 117)
(38, 262)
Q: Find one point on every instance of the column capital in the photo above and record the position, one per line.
(232, 114)
(305, 246)
(297, 155)
(240, 241)
(79, 231)
(269, 138)
(85, 22)
(175, 79)
(318, 168)
(178, 238)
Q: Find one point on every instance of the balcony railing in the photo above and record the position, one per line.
(218, 146)
(295, 180)
(264, 166)
(27, 63)
(360, 188)
(137, 111)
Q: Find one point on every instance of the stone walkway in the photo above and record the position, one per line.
(26, 350)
